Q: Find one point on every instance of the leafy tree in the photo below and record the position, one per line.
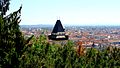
(43, 54)
(12, 42)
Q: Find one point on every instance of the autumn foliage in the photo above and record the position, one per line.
(80, 49)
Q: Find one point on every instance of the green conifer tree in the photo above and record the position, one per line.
(12, 42)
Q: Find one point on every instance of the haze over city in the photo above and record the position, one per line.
(71, 12)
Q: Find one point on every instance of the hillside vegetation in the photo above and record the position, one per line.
(43, 54)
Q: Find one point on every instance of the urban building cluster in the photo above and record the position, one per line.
(90, 36)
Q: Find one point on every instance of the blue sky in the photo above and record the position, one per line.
(72, 12)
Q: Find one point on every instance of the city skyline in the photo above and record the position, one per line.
(77, 12)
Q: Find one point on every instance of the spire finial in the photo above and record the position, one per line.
(58, 17)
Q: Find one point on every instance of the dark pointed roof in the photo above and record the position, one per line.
(58, 27)
(55, 35)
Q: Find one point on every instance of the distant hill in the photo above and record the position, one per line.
(36, 26)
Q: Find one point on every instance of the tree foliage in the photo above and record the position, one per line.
(4, 6)
(43, 54)
(12, 42)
